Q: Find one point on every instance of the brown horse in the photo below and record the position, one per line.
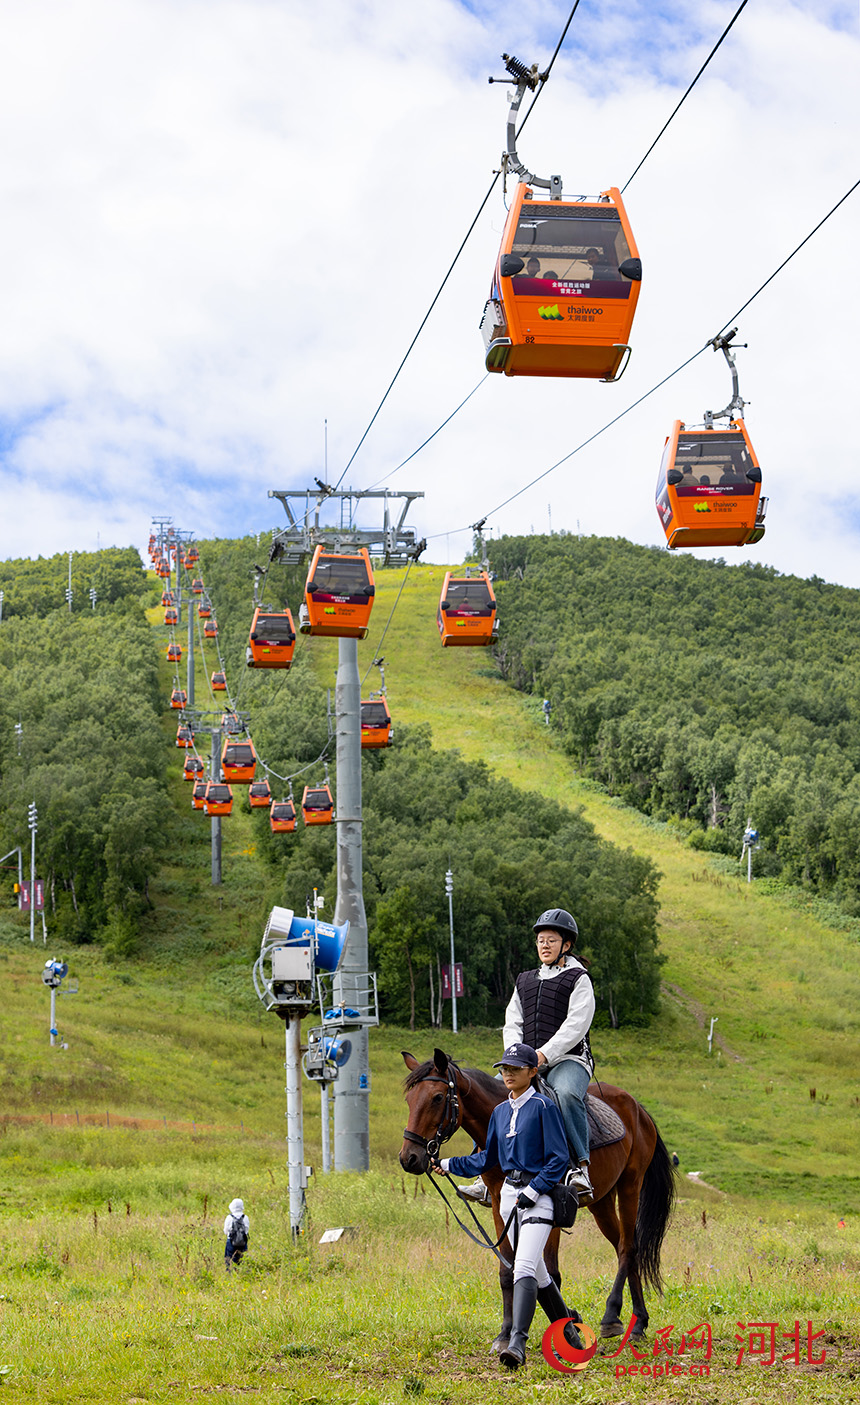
(633, 1181)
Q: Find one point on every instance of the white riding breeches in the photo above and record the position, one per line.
(530, 1236)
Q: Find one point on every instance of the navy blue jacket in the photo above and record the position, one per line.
(538, 1146)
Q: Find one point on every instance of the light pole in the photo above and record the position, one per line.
(2, 598)
(449, 889)
(32, 821)
(69, 586)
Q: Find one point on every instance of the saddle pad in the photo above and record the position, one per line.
(604, 1125)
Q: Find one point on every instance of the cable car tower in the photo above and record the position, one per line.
(353, 1001)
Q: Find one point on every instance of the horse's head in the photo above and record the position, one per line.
(433, 1095)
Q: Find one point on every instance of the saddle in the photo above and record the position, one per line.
(604, 1126)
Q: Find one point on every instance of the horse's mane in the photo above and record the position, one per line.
(486, 1081)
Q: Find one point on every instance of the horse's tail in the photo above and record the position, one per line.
(656, 1199)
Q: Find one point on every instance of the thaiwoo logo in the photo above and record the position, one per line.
(557, 1349)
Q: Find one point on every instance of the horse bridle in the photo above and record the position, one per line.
(450, 1115)
(446, 1129)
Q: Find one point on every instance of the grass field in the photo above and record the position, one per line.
(111, 1267)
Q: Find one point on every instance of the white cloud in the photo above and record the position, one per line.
(224, 221)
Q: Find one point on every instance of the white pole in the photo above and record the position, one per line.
(326, 1129)
(449, 889)
(53, 1014)
(32, 819)
(295, 1135)
(714, 1019)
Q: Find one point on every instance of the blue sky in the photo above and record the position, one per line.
(224, 219)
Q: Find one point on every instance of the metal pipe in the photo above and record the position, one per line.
(295, 1135)
(352, 1089)
(189, 683)
(449, 889)
(326, 1129)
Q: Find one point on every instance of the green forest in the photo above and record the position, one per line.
(80, 735)
(700, 692)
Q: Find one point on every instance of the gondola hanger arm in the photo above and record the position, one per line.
(527, 80)
(723, 342)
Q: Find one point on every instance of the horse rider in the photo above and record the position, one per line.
(552, 1008)
(526, 1138)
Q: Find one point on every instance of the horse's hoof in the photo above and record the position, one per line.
(611, 1329)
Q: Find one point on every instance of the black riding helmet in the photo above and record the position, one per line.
(560, 921)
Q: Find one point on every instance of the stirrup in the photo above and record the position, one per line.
(477, 1192)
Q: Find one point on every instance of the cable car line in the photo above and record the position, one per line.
(686, 95)
(391, 474)
(388, 621)
(790, 257)
(466, 237)
(662, 382)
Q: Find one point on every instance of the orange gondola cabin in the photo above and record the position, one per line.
(467, 611)
(375, 724)
(167, 597)
(198, 794)
(317, 805)
(338, 595)
(565, 289)
(210, 629)
(260, 795)
(239, 762)
(204, 609)
(192, 555)
(184, 735)
(709, 487)
(218, 799)
(272, 641)
(192, 769)
(171, 615)
(197, 586)
(174, 653)
(219, 682)
(178, 698)
(282, 817)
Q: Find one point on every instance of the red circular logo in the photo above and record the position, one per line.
(557, 1349)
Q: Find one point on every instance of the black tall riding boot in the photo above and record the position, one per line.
(553, 1305)
(525, 1301)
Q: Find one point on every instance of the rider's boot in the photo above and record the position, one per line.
(525, 1300)
(477, 1192)
(578, 1179)
(555, 1308)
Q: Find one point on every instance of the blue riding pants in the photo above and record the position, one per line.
(570, 1080)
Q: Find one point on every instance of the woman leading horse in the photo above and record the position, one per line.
(632, 1179)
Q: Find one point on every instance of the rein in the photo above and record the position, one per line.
(445, 1130)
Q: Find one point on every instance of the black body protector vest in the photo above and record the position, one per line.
(544, 1003)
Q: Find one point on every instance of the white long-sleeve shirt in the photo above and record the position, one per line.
(574, 1026)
